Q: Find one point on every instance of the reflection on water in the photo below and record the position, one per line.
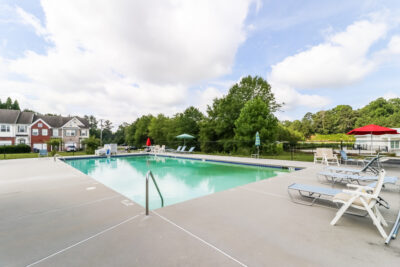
(178, 179)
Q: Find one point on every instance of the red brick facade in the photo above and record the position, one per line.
(12, 139)
(40, 138)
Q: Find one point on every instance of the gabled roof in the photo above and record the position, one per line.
(21, 117)
(9, 116)
(25, 117)
(40, 119)
(59, 121)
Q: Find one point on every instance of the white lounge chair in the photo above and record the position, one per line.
(174, 150)
(319, 155)
(363, 198)
(325, 156)
(189, 151)
(312, 193)
(369, 167)
(182, 150)
(335, 177)
(162, 149)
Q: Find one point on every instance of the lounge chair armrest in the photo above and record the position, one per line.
(358, 193)
(360, 186)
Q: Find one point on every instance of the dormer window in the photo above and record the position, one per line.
(40, 125)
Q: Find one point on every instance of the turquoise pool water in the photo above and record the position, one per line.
(178, 179)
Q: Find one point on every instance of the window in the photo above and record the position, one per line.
(40, 125)
(22, 128)
(55, 132)
(70, 133)
(394, 144)
(44, 132)
(84, 132)
(5, 128)
(22, 141)
(35, 132)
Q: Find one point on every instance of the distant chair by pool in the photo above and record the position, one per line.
(43, 153)
(344, 158)
(191, 150)
(182, 150)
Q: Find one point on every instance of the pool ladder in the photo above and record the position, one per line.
(148, 175)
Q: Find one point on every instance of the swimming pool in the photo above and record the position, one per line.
(179, 179)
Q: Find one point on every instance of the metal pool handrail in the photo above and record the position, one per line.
(148, 175)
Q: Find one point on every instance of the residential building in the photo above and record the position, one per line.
(71, 130)
(19, 127)
(14, 126)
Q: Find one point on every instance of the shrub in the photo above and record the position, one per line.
(92, 143)
(21, 148)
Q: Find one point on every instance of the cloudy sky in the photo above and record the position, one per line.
(122, 59)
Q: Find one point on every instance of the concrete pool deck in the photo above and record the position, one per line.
(54, 215)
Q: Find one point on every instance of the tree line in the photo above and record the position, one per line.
(229, 125)
(344, 118)
(9, 104)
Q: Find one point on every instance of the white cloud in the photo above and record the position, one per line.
(394, 45)
(206, 97)
(120, 59)
(342, 59)
(31, 20)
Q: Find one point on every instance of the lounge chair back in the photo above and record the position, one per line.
(179, 148)
(343, 155)
(191, 149)
(369, 166)
(183, 149)
(379, 184)
(43, 152)
(329, 153)
(319, 152)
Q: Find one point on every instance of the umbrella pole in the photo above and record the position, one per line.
(371, 145)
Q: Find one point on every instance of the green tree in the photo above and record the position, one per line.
(159, 128)
(186, 122)
(286, 134)
(344, 118)
(256, 116)
(55, 144)
(142, 130)
(91, 144)
(219, 127)
(8, 104)
(93, 130)
(15, 105)
(119, 135)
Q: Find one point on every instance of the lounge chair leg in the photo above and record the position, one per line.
(342, 210)
(380, 217)
(376, 221)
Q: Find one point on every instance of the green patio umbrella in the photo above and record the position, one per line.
(184, 137)
(258, 142)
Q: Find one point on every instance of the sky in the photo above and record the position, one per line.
(121, 59)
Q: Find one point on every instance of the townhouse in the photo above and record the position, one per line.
(19, 127)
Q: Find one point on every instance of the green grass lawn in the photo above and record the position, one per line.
(36, 155)
(299, 156)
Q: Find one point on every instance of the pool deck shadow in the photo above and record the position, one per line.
(53, 215)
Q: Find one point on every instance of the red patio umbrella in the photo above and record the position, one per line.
(372, 129)
(148, 142)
